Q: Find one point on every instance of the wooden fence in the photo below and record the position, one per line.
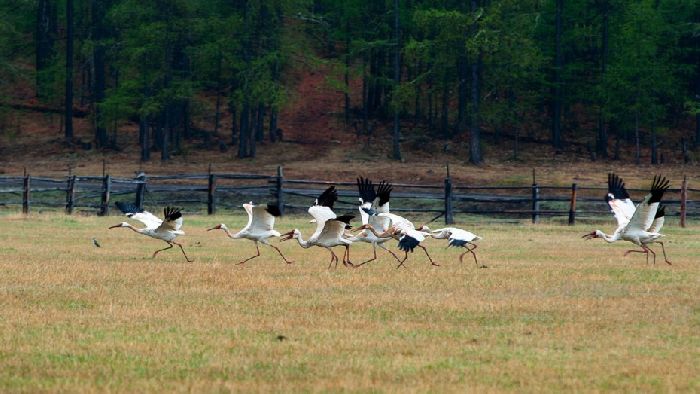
(96, 194)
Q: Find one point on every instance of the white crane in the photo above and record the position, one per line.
(330, 228)
(260, 227)
(165, 230)
(376, 200)
(403, 230)
(640, 225)
(458, 238)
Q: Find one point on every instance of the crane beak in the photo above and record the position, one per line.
(287, 236)
(217, 227)
(589, 236)
(115, 226)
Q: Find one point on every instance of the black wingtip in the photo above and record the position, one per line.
(658, 187)
(328, 197)
(616, 187)
(345, 218)
(127, 207)
(172, 213)
(407, 244)
(365, 188)
(273, 210)
(661, 212)
(384, 192)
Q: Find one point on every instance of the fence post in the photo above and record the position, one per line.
(572, 205)
(684, 199)
(535, 199)
(70, 194)
(106, 191)
(279, 191)
(140, 190)
(449, 215)
(211, 198)
(26, 193)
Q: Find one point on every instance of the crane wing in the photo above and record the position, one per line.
(381, 202)
(463, 235)
(173, 219)
(646, 210)
(263, 218)
(619, 200)
(334, 228)
(131, 211)
(328, 197)
(658, 222)
(321, 214)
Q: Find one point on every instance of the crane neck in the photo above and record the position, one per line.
(304, 244)
(610, 238)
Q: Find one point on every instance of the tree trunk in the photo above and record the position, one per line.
(69, 73)
(164, 137)
(260, 124)
(397, 80)
(654, 146)
(602, 145)
(419, 92)
(463, 90)
(474, 131)
(244, 131)
(143, 138)
(273, 125)
(445, 107)
(45, 38)
(637, 152)
(98, 14)
(217, 114)
(346, 75)
(234, 122)
(365, 98)
(558, 68)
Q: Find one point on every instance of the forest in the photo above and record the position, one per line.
(603, 73)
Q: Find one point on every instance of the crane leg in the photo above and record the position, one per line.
(664, 250)
(251, 258)
(183, 252)
(280, 252)
(644, 250)
(346, 258)
(402, 261)
(469, 250)
(429, 258)
(160, 250)
(392, 253)
(333, 258)
(374, 249)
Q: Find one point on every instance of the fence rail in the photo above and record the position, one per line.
(95, 194)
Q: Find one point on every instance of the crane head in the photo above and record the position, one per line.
(290, 235)
(593, 234)
(218, 227)
(122, 224)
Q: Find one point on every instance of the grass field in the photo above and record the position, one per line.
(551, 313)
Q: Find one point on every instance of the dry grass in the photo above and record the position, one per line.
(551, 313)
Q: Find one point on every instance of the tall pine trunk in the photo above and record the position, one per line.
(68, 113)
(244, 131)
(217, 114)
(44, 39)
(474, 131)
(98, 13)
(463, 91)
(273, 125)
(396, 135)
(558, 68)
(143, 138)
(602, 143)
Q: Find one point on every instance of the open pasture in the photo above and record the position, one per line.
(551, 312)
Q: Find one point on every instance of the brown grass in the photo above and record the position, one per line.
(551, 313)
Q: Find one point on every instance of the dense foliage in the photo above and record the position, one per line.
(600, 71)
